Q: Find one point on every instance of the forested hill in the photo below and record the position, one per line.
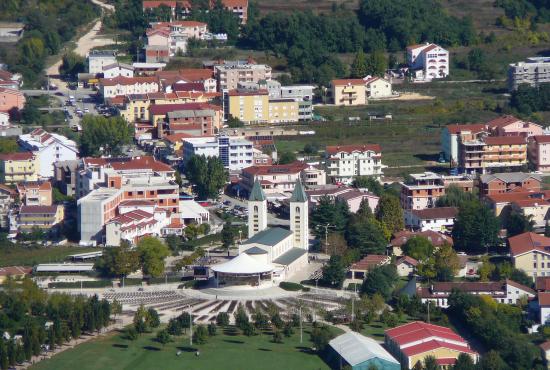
(48, 24)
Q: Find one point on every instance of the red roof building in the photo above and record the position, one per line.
(413, 342)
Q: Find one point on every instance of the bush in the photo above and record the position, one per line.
(293, 287)
(212, 329)
(85, 284)
(222, 319)
(277, 337)
(200, 335)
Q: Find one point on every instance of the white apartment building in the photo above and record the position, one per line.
(533, 71)
(97, 59)
(231, 73)
(344, 162)
(235, 153)
(118, 69)
(123, 86)
(440, 219)
(134, 222)
(378, 88)
(49, 148)
(428, 61)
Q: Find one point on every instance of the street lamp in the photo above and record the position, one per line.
(190, 325)
(326, 227)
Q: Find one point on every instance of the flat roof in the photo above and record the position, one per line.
(64, 267)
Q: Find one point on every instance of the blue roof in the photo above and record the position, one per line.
(270, 236)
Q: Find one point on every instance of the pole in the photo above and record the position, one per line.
(353, 304)
(301, 336)
(428, 311)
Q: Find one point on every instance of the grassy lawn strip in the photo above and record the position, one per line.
(228, 350)
(28, 256)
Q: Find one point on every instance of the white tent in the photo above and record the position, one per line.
(243, 264)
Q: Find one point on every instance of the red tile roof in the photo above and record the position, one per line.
(334, 149)
(41, 185)
(20, 156)
(542, 283)
(278, 169)
(541, 139)
(418, 331)
(10, 91)
(502, 121)
(188, 86)
(527, 242)
(350, 81)
(434, 344)
(435, 213)
(505, 140)
(38, 209)
(406, 259)
(146, 162)
(163, 109)
(15, 270)
(434, 237)
(121, 80)
(545, 346)
(474, 128)
(248, 93)
(519, 194)
(370, 261)
(544, 299)
(174, 138)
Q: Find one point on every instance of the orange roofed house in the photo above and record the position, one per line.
(530, 252)
(411, 343)
(344, 162)
(348, 92)
(358, 270)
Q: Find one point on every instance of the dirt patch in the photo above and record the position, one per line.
(413, 96)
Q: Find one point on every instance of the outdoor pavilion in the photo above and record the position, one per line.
(243, 271)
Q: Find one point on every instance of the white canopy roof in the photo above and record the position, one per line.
(243, 264)
(356, 349)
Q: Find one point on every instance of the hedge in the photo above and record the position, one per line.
(85, 284)
(293, 287)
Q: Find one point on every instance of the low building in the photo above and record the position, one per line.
(17, 167)
(98, 59)
(11, 99)
(359, 353)
(118, 70)
(35, 193)
(352, 196)
(348, 92)
(440, 219)
(358, 270)
(499, 183)
(400, 238)
(46, 218)
(530, 252)
(378, 88)
(122, 86)
(411, 343)
(16, 272)
(344, 162)
(427, 62)
(406, 266)
(508, 291)
(69, 268)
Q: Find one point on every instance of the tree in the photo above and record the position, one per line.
(101, 135)
(173, 242)
(380, 279)
(4, 360)
(464, 362)
(430, 363)
(376, 64)
(261, 321)
(517, 223)
(200, 336)
(119, 261)
(153, 318)
(234, 122)
(418, 247)
(390, 213)
(475, 228)
(152, 253)
(207, 174)
(367, 235)
(320, 336)
(277, 336)
(8, 145)
(72, 64)
(333, 272)
(455, 197)
(140, 320)
(222, 319)
(163, 337)
(359, 66)
(492, 361)
(446, 262)
(287, 157)
(229, 233)
(368, 182)
(335, 213)
(30, 113)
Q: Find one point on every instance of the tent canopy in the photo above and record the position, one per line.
(243, 264)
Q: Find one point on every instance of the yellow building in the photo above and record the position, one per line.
(283, 110)
(249, 106)
(348, 92)
(531, 253)
(17, 167)
(41, 217)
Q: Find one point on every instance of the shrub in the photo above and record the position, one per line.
(293, 287)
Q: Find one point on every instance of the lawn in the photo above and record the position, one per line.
(375, 329)
(224, 351)
(12, 255)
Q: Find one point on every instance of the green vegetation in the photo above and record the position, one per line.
(104, 136)
(226, 350)
(22, 255)
(8, 145)
(207, 175)
(476, 227)
(294, 287)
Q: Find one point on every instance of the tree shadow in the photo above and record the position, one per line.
(187, 349)
(118, 345)
(230, 332)
(151, 348)
(233, 341)
(265, 349)
(306, 350)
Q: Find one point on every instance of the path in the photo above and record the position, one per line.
(86, 43)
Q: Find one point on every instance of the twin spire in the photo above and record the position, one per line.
(298, 195)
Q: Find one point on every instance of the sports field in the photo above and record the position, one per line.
(228, 351)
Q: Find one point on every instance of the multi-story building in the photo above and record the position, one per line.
(7, 198)
(237, 7)
(378, 88)
(11, 99)
(234, 152)
(158, 112)
(118, 70)
(203, 76)
(348, 92)
(439, 219)
(123, 86)
(530, 252)
(276, 180)
(65, 173)
(499, 183)
(46, 218)
(303, 94)
(157, 53)
(35, 193)
(17, 167)
(494, 153)
(344, 162)
(247, 106)
(284, 110)
(539, 152)
(513, 126)
(48, 148)
(532, 72)
(97, 59)
(230, 73)
(422, 191)
(428, 61)
(196, 122)
(453, 135)
(175, 35)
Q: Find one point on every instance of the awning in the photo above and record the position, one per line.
(243, 264)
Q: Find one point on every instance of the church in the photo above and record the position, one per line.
(271, 254)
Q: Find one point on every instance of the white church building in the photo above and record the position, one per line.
(271, 254)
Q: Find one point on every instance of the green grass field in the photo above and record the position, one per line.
(26, 256)
(223, 351)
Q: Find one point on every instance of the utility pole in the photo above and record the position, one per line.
(353, 303)
(428, 311)
(326, 235)
(301, 336)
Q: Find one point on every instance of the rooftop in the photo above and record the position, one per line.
(242, 264)
(269, 236)
(509, 177)
(370, 261)
(437, 239)
(527, 242)
(356, 349)
(335, 149)
(435, 213)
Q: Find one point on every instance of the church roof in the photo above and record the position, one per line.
(255, 250)
(243, 264)
(290, 256)
(270, 236)
(299, 194)
(257, 194)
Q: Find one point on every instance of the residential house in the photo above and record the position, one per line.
(440, 219)
(137, 218)
(196, 122)
(46, 218)
(352, 196)
(7, 198)
(422, 191)
(400, 238)
(10, 80)
(411, 343)
(428, 61)
(530, 252)
(118, 70)
(358, 270)
(122, 86)
(48, 148)
(247, 106)
(344, 162)
(378, 88)
(65, 173)
(500, 183)
(348, 92)
(544, 307)
(534, 203)
(539, 152)
(157, 54)
(283, 110)
(533, 71)
(513, 126)
(406, 266)
(357, 352)
(230, 73)
(494, 153)
(203, 76)
(507, 291)
(17, 167)
(35, 193)
(453, 135)
(97, 59)
(11, 99)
